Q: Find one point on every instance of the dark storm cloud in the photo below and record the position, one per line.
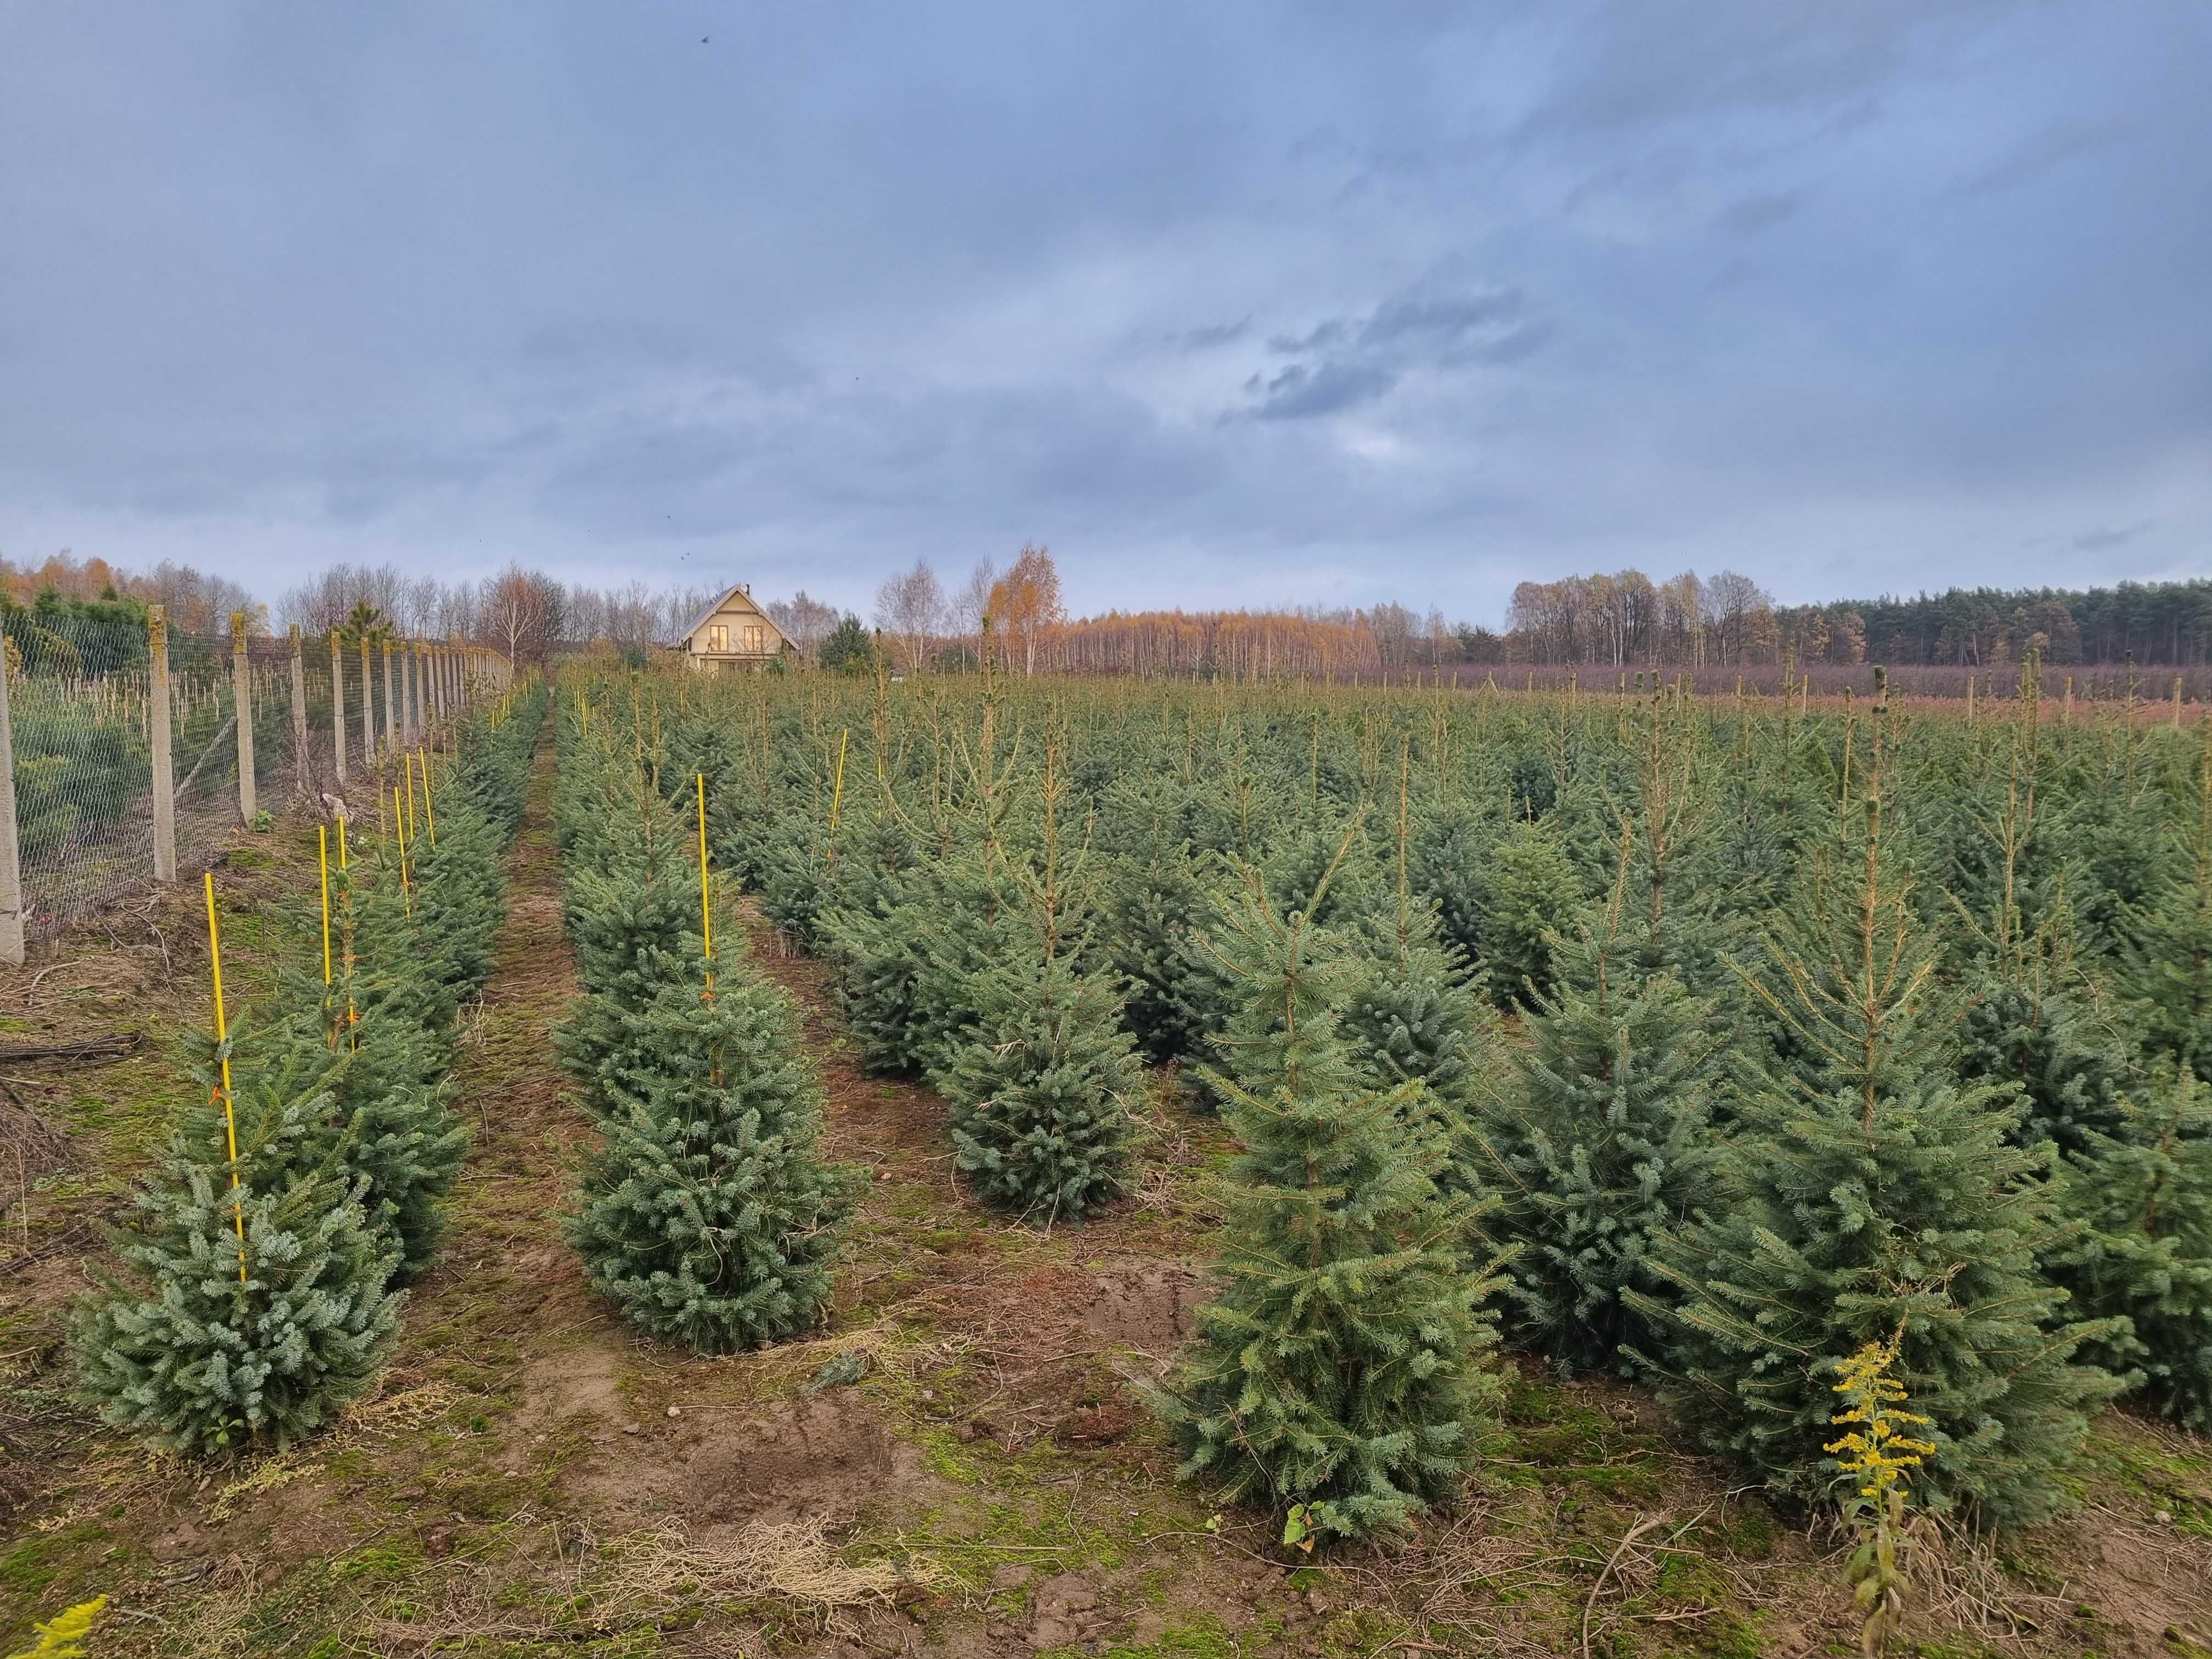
(1233, 303)
(1299, 392)
(1358, 360)
(1215, 334)
(2097, 541)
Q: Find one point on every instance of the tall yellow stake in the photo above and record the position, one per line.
(706, 900)
(399, 817)
(323, 853)
(341, 854)
(429, 812)
(408, 761)
(222, 1048)
(837, 794)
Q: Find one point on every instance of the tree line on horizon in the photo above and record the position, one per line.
(1626, 619)
(921, 623)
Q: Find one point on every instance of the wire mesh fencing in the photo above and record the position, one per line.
(323, 729)
(78, 713)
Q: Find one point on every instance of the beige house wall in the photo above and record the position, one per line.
(737, 635)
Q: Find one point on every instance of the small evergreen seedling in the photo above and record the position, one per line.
(1526, 885)
(185, 1351)
(2071, 1066)
(2142, 1199)
(403, 1146)
(634, 941)
(1038, 1090)
(1039, 1076)
(1596, 1141)
(2169, 965)
(710, 1218)
(1412, 1013)
(1339, 1365)
(1863, 1193)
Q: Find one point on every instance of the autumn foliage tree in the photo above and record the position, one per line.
(1025, 606)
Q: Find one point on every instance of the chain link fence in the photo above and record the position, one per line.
(82, 725)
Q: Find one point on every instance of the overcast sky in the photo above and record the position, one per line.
(1229, 303)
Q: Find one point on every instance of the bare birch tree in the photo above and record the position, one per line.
(911, 606)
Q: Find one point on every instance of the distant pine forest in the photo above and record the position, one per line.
(1627, 618)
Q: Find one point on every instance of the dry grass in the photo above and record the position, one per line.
(669, 1579)
(794, 1561)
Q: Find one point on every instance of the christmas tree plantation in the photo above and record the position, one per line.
(255, 1296)
(709, 1216)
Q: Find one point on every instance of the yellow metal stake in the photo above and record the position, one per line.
(837, 794)
(323, 855)
(406, 892)
(429, 812)
(408, 761)
(222, 1048)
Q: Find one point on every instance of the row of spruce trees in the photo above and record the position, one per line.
(972, 953)
(258, 1291)
(1707, 1043)
(707, 1215)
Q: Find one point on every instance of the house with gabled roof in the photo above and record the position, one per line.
(734, 634)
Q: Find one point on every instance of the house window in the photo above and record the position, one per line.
(756, 639)
(717, 637)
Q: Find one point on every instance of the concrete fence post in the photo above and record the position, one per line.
(367, 713)
(437, 687)
(241, 702)
(165, 767)
(11, 857)
(302, 772)
(414, 682)
(337, 709)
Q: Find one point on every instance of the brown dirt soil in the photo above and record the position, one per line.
(955, 1465)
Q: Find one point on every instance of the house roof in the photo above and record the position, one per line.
(728, 593)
